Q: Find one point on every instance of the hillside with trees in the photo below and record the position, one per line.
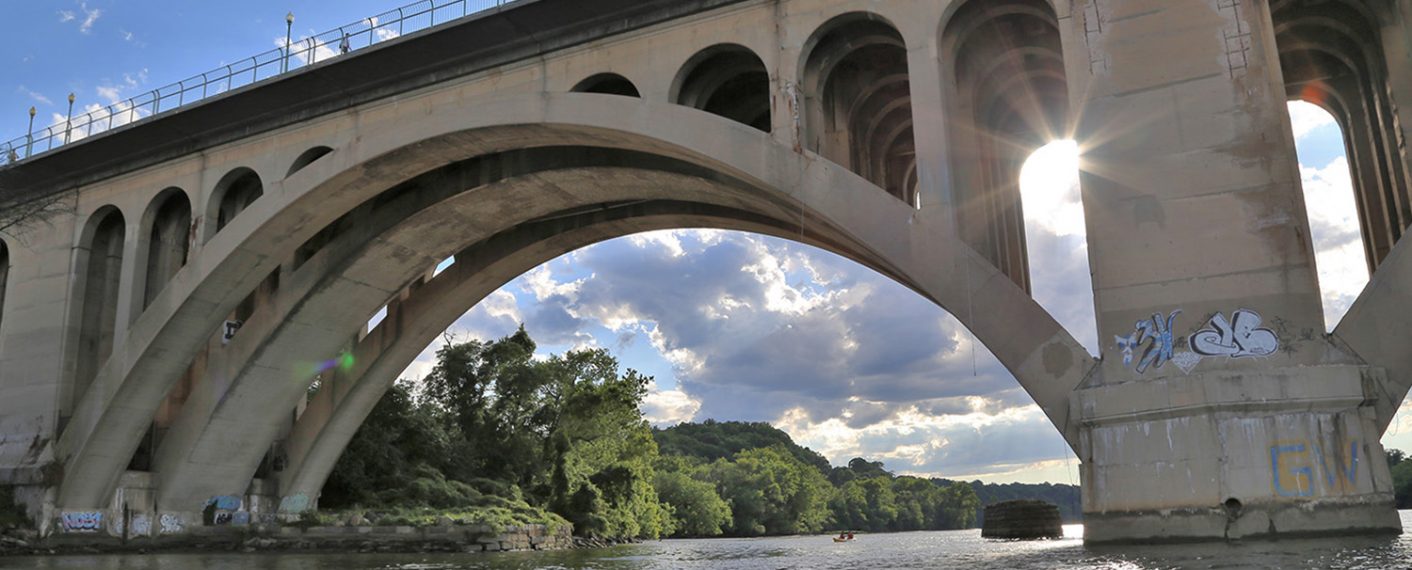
(495, 435)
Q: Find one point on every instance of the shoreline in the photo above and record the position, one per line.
(332, 539)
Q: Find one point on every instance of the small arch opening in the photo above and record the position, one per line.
(1007, 97)
(306, 158)
(169, 241)
(4, 279)
(858, 102)
(1056, 242)
(727, 80)
(102, 259)
(1337, 226)
(607, 84)
(234, 193)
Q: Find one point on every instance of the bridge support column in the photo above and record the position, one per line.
(1221, 409)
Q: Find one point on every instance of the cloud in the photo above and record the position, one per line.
(37, 97)
(89, 17)
(1306, 117)
(1338, 242)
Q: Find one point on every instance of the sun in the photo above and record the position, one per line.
(1049, 187)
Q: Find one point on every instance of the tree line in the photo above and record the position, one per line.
(492, 427)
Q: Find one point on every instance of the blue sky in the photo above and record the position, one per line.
(731, 325)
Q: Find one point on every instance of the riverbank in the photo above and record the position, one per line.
(359, 539)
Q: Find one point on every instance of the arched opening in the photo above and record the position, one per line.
(1331, 54)
(102, 259)
(1330, 201)
(1056, 239)
(169, 240)
(306, 158)
(858, 101)
(726, 80)
(4, 280)
(235, 192)
(607, 84)
(1008, 96)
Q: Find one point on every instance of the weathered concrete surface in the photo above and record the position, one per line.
(1022, 519)
(1223, 412)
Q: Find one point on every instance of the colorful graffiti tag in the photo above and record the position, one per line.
(1156, 335)
(141, 525)
(1239, 337)
(81, 521)
(1293, 465)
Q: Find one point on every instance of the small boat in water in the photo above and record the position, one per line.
(844, 537)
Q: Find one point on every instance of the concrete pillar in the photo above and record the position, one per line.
(1221, 409)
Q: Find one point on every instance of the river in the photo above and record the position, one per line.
(954, 549)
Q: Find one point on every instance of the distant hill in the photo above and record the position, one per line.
(711, 440)
(1065, 496)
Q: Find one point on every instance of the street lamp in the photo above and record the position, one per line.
(288, 35)
(69, 122)
(29, 138)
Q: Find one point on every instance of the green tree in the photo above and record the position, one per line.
(1402, 484)
(696, 507)
(772, 492)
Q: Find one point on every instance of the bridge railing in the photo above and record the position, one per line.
(299, 53)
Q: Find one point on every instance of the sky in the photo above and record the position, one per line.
(732, 326)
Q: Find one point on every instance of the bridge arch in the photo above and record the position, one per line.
(4, 281)
(1332, 56)
(607, 84)
(235, 192)
(729, 80)
(727, 163)
(164, 240)
(858, 103)
(1007, 93)
(100, 257)
(306, 158)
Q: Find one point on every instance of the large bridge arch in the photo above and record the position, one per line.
(782, 183)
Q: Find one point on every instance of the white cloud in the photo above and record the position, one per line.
(37, 97)
(66, 16)
(85, 25)
(668, 407)
(1306, 117)
(1338, 243)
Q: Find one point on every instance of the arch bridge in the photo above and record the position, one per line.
(174, 283)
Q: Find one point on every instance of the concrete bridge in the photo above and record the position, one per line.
(177, 285)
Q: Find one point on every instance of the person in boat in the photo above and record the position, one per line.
(842, 535)
(850, 536)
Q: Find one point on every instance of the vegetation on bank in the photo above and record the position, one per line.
(1401, 466)
(496, 436)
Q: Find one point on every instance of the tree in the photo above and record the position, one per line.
(772, 492)
(696, 508)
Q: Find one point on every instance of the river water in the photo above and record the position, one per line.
(954, 549)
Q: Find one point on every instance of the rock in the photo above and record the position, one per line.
(1023, 519)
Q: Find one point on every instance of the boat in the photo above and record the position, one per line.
(837, 539)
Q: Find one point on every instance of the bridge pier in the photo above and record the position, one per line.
(1221, 408)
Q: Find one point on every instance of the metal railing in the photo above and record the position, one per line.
(297, 54)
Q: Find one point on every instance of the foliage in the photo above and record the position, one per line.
(1401, 480)
(497, 436)
(711, 440)
(498, 431)
(1065, 496)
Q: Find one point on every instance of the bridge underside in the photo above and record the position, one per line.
(160, 332)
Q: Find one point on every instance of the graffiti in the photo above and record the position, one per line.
(1237, 338)
(141, 525)
(170, 524)
(1293, 469)
(240, 518)
(1186, 361)
(82, 521)
(294, 504)
(1156, 334)
(228, 331)
(221, 518)
(225, 503)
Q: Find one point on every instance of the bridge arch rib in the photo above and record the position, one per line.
(767, 178)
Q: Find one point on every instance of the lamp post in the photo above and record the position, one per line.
(288, 35)
(29, 138)
(69, 122)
